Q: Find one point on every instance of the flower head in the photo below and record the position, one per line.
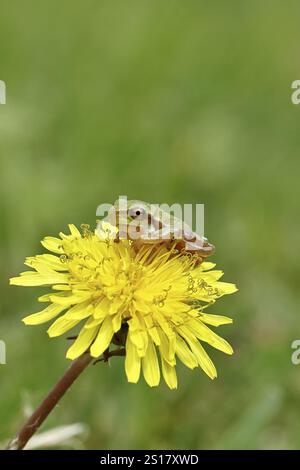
(152, 297)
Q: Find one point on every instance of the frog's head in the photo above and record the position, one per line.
(138, 210)
(126, 211)
(123, 212)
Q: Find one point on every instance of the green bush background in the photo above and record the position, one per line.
(166, 102)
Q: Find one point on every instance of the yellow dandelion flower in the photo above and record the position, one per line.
(152, 298)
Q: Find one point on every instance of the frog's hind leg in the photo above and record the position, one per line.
(203, 249)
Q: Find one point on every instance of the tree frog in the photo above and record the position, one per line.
(145, 223)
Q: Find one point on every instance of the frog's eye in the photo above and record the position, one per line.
(136, 211)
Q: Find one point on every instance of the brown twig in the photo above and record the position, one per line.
(107, 354)
(53, 397)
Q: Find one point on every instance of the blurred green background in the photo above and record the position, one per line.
(172, 101)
